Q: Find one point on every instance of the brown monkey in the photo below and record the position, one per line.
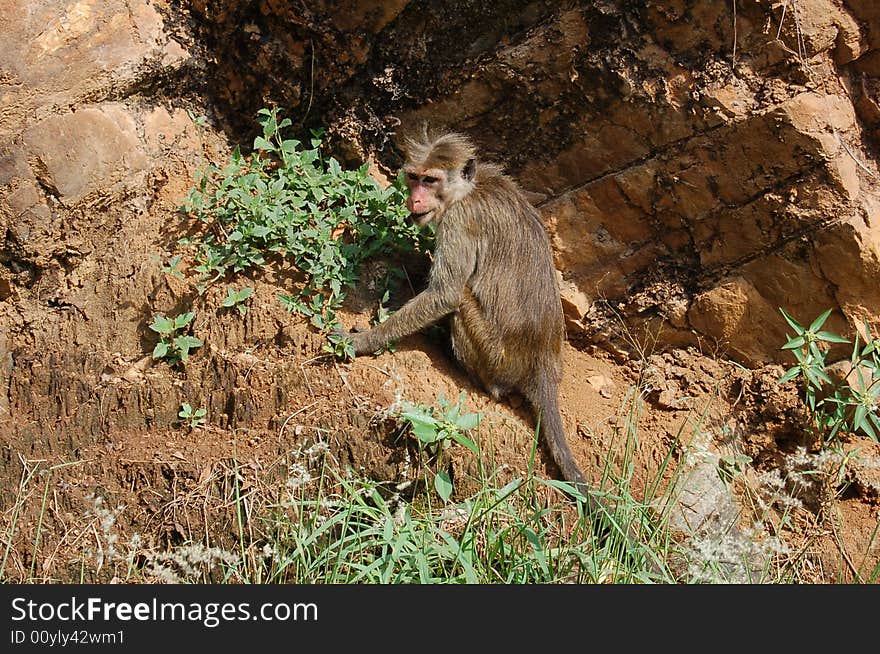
(493, 275)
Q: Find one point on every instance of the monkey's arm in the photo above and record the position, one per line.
(453, 265)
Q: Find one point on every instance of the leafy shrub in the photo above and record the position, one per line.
(236, 298)
(437, 428)
(173, 346)
(287, 200)
(851, 404)
(192, 417)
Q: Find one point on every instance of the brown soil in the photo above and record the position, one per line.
(271, 394)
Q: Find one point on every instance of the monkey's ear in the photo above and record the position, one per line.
(469, 171)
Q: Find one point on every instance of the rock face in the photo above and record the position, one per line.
(85, 157)
(697, 168)
(87, 152)
(70, 129)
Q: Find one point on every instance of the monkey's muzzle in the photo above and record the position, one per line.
(421, 219)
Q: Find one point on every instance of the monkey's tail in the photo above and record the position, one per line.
(546, 403)
(545, 400)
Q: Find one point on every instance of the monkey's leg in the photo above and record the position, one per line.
(465, 351)
(477, 348)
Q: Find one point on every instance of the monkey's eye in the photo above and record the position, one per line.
(430, 180)
(412, 177)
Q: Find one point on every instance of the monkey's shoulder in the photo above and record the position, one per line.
(491, 181)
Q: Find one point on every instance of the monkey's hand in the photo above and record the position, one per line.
(354, 342)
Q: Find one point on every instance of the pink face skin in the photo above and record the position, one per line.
(425, 190)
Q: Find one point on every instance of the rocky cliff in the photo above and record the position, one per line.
(698, 165)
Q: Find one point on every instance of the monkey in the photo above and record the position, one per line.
(493, 275)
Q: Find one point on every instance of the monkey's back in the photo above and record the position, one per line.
(514, 281)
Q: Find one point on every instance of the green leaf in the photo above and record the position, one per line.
(425, 432)
(831, 337)
(812, 379)
(270, 126)
(192, 341)
(818, 322)
(860, 421)
(186, 343)
(261, 143)
(566, 487)
(468, 421)
(876, 422)
(162, 325)
(443, 485)
(794, 324)
(790, 374)
(418, 414)
(793, 343)
(161, 350)
(289, 146)
(862, 381)
(183, 320)
(464, 440)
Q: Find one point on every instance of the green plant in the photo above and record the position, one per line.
(286, 201)
(340, 346)
(193, 418)
(437, 428)
(171, 267)
(236, 298)
(850, 404)
(382, 312)
(173, 346)
(335, 527)
(199, 121)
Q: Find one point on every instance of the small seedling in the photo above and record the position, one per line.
(171, 267)
(382, 313)
(198, 121)
(836, 406)
(237, 298)
(340, 346)
(173, 346)
(435, 429)
(194, 418)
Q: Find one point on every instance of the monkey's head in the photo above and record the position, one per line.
(439, 171)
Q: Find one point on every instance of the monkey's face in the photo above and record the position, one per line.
(427, 193)
(433, 190)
